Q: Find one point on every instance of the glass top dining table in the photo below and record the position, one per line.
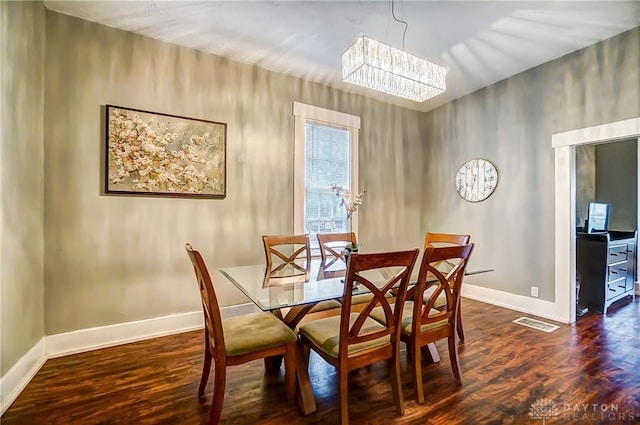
(296, 284)
(302, 284)
(291, 285)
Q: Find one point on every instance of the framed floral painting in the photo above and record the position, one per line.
(149, 153)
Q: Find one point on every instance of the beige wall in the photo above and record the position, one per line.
(21, 179)
(511, 123)
(607, 173)
(585, 181)
(616, 182)
(114, 259)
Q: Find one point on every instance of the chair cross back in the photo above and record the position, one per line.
(291, 257)
(355, 339)
(337, 255)
(273, 246)
(440, 322)
(449, 284)
(357, 264)
(330, 254)
(447, 239)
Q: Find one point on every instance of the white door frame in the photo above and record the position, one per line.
(565, 203)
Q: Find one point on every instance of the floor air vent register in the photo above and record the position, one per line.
(536, 324)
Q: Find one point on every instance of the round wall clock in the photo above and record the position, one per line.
(476, 180)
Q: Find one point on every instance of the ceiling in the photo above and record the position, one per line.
(478, 42)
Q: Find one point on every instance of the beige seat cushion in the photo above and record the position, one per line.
(365, 298)
(440, 301)
(325, 305)
(325, 333)
(407, 318)
(254, 332)
(361, 299)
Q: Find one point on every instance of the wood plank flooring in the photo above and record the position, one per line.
(506, 367)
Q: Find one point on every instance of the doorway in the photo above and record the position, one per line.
(603, 175)
(564, 145)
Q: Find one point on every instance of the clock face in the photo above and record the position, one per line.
(476, 180)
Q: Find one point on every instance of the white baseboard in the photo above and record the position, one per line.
(534, 306)
(122, 333)
(16, 379)
(19, 376)
(237, 310)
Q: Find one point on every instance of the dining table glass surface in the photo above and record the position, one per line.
(288, 285)
(299, 283)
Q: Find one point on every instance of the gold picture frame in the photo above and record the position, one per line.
(150, 153)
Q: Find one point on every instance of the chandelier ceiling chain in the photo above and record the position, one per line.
(377, 66)
(406, 24)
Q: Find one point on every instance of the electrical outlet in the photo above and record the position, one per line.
(534, 291)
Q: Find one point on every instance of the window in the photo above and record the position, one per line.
(325, 153)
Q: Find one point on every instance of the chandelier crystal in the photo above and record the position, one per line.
(377, 66)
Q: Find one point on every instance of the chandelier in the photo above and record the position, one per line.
(377, 66)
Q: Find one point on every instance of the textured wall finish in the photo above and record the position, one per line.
(596, 85)
(585, 181)
(608, 173)
(305, 38)
(114, 259)
(617, 182)
(21, 179)
(511, 123)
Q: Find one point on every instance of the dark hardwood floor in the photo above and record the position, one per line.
(582, 368)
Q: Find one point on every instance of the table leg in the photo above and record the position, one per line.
(430, 352)
(296, 314)
(306, 401)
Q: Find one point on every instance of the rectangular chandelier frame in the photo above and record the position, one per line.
(369, 63)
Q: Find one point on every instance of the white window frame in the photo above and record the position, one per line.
(303, 113)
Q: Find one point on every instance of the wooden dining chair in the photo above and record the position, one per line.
(287, 251)
(422, 323)
(446, 239)
(293, 251)
(332, 246)
(441, 239)
(332, 249)
(238, 340)
(353, 340)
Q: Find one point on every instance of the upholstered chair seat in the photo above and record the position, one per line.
(440, 240)
(353, 339)
(325, 305)
(325, 333)
(407, 319)
(254, 332)
(423, 323)
(237, 340)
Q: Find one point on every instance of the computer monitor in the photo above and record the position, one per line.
(598, 217)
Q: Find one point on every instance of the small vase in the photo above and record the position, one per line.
(347, 252)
